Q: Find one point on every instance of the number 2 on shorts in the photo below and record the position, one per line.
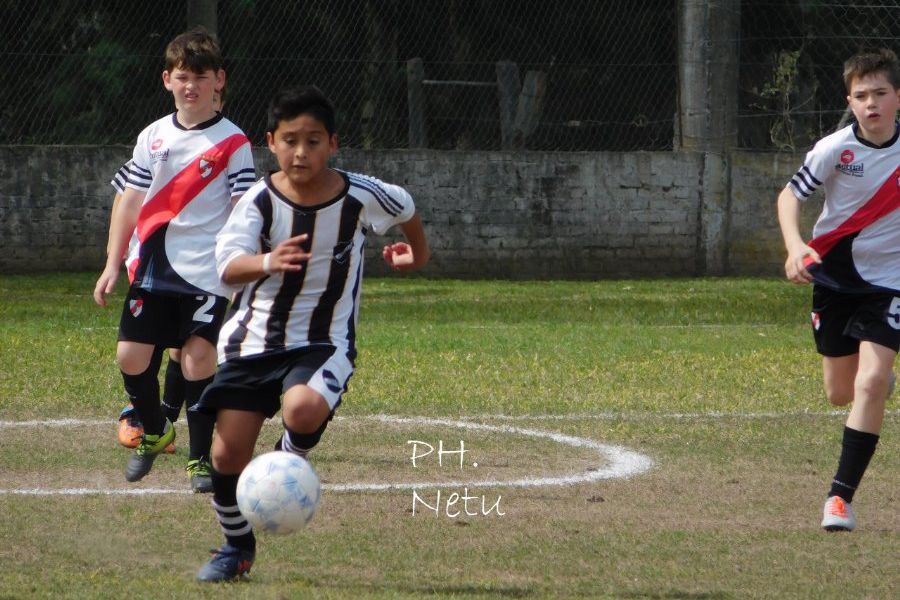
(205, 317)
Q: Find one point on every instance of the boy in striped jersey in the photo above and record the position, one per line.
(186, 170)
(295, 244)
(853, 262)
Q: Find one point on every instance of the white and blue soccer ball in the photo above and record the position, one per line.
(278, 492)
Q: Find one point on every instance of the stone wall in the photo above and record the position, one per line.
(487, 214)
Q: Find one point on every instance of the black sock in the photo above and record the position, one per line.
(143, 391)
(856, 451)
(173, 390)
(237, 530)
(200, 424)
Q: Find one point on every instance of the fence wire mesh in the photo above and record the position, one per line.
(573, 75)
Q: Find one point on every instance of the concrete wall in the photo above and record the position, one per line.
(487, 214)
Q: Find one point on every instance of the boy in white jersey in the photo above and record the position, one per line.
(186, 169)
(853, 262)
(130, 428)
(295, 243)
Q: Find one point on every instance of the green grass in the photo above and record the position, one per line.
(730, 508)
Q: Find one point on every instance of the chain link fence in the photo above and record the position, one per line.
(572, 75)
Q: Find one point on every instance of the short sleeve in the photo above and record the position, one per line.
(120, 179)
(139, 174)
(815, 170)
(240, 235)
(241, 173)
(387, 204)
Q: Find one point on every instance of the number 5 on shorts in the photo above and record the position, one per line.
(205, 317)
(893, 314)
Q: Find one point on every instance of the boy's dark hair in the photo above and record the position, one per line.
(290, 103)
(867, 63)
(196, 50)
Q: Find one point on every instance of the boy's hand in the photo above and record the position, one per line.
(399, 256)
(289, 255)
(105, 285)
(797, 264)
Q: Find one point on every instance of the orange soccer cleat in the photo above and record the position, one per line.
(131, 429)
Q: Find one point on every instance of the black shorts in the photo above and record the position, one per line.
(168, 321)
(256, 383)
(841, 321)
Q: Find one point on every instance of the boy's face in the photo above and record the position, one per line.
(193, 92)
(302, 147)
(874, 103)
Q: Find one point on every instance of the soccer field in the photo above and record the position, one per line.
(633, 439)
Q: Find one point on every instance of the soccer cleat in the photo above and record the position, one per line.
(201, 480)
(227, 563)
(141, 460)
(838, 515)
(130, 427)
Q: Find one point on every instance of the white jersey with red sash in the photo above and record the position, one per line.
(858, 233)
(189, 177)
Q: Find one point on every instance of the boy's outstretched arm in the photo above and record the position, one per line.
(122, 224)
(409, 256)
(288, 256)
(797, 249)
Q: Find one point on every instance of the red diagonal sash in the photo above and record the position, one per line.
(184, 187)
(883, 202)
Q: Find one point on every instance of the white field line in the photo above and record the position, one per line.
(621, 463)
(604, 416)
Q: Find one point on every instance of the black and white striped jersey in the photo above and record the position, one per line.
(858, 232)
(319, 304)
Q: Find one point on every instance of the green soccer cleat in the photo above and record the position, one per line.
(198, 470)
(141, 460)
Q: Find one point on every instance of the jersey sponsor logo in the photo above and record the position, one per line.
(157, 144)
(136, 307)
(857, 170)
(159, 156)
(847, 157)
(816, 321)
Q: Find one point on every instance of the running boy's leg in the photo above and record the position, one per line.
(861, 433)
(173, 386)
(305, 415)
(198, 365)
(232, 449)
(839, 375)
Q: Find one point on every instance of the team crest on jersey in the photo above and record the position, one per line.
(157, 144)
(208, 163)
(342, 251)
(816, 322)
(136, 307)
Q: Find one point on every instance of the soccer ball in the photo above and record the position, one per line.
(278, 492)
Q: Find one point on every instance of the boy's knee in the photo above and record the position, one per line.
(226, 459)
(872, 385)
(305, 412)
(198, 360)
(841, 397)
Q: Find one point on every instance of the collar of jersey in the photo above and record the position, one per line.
(887, 144)
(315, 207)
(198, 126)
